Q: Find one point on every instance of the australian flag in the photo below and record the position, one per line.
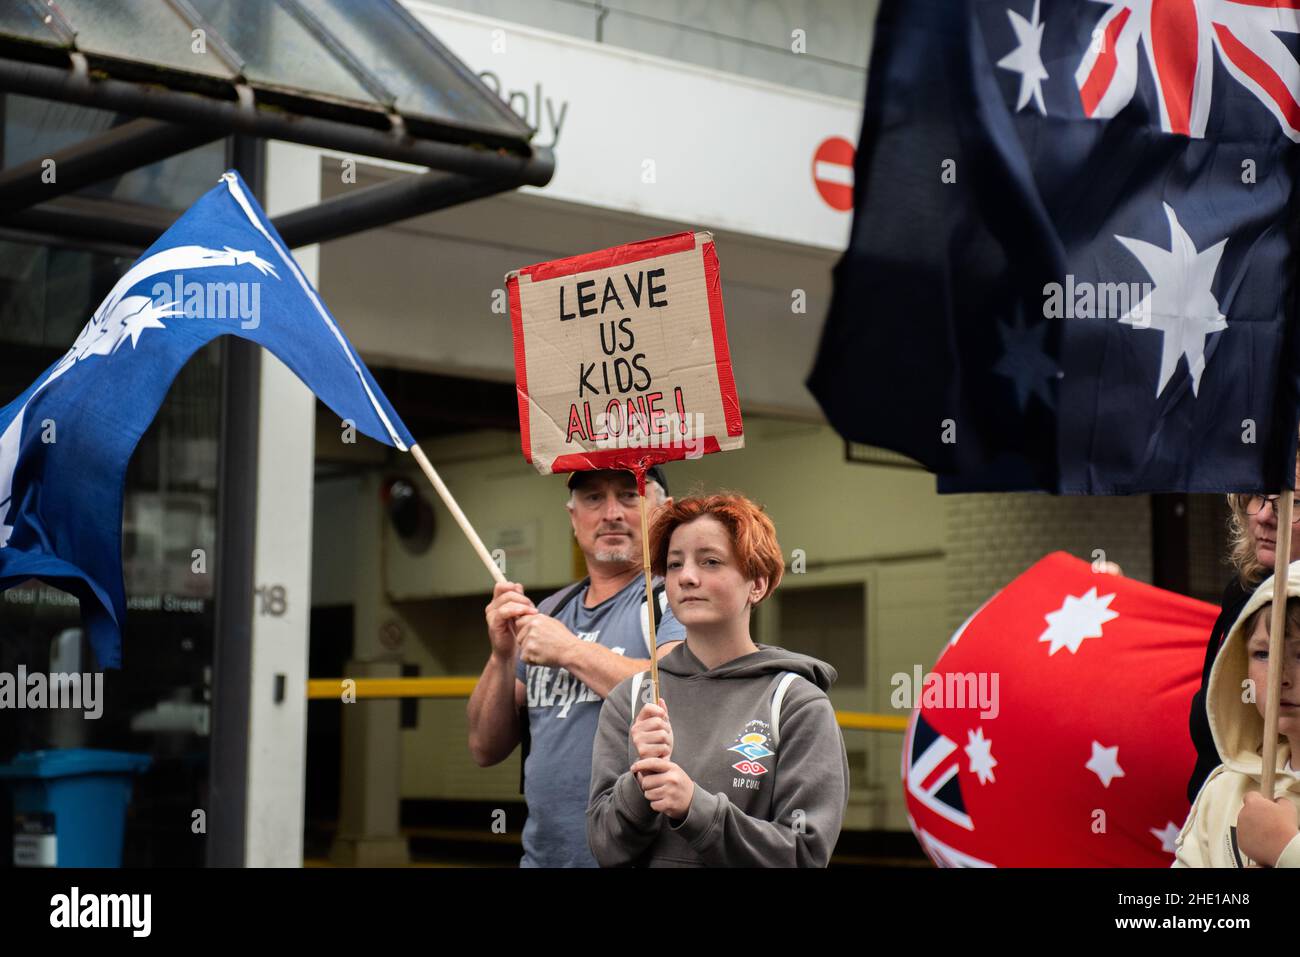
(66, 441)
(1074, 250)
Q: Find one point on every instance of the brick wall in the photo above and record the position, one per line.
(993, 538)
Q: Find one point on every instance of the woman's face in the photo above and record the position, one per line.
(1263, 532)
(705, 585)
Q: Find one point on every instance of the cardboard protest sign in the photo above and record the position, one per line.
(621, 357)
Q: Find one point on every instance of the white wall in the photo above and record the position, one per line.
(750, 37)
(661, 138)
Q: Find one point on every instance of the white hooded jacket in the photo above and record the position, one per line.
(1209, 837)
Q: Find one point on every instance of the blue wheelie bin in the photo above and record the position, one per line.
(70, 805)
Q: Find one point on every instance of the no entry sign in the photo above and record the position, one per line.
(621, 357)
(833, 172)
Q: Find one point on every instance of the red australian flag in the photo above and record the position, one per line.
(1076, 754)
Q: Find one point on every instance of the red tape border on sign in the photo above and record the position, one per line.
(721, 353)
(614, 256)
(634, 459)
(521, 365)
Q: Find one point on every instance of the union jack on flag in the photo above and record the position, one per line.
(1179, 41)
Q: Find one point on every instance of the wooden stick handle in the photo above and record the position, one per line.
(445, 494)
(649, 597)
(1284, 505)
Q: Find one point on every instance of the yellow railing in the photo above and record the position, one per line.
(324, 688)
(319, 689)
(861, 721)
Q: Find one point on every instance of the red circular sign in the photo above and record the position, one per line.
(832, 170)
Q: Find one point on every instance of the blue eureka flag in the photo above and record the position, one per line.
(1074, 251)
(221, 269)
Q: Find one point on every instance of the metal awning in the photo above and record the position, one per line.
(362, 77)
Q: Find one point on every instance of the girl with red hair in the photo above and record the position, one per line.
(750, 769)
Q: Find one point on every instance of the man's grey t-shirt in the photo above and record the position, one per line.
(563, 714)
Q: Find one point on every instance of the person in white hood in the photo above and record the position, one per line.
(1231, 824)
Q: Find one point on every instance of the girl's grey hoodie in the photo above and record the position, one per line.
(771, 784)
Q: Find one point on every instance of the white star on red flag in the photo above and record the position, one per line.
(1105, 763)
(979, 750)
(1168, 837)
(1078, 618)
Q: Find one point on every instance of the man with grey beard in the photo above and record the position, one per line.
(551, 665)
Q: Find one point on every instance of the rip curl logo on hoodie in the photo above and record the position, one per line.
(751, 745)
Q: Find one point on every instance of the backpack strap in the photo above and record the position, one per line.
(525, 742)
(657, 605)
(778, 696)
(636, 692)
(560, 600)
